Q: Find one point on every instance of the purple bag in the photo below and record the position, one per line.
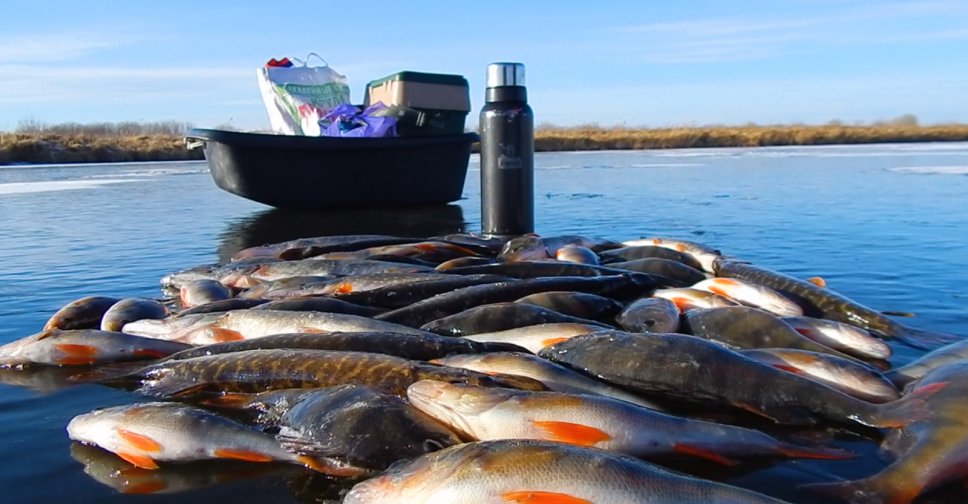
(347, 121)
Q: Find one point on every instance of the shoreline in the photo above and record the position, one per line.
(41, 148)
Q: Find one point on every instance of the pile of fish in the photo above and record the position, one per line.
(540, 370)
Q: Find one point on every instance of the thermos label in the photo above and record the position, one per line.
(509, 159)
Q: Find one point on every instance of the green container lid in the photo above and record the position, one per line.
(423, 78)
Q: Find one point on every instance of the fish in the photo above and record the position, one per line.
(553, 376)
(745, 328)
(527, 270)
(360, 429)
(751, 294)
(264, 289)
(486, 245)
(223, 306)
(129, 310)
(355, 283)
(309, 247)
(650, 315)
(595, 421)
(81, 347)
(841, 337)
(527, 248)
(253, 371)
(576, 304)
(904, 375)
(539, 472)
(576, 254)
(433, 251)
(464, 261)
(177, 279)
(401, 295)
(496, 317)
(689, 299)
(320, 304)
(823, 303)
(406, 346)
(84, 313)
(695, 370)
(246, 324)
(626, 254)
(927, 453)
(459, 300)
(849, 377)
(199, 292)
(704, 255)
(534, 337)
(663, 267)
(147, 433)
(253, 275)
(111, 471)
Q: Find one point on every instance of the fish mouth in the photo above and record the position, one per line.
(445, 402)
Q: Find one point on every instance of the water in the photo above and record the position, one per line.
(885, 225)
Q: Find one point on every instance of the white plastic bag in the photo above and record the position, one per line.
(297, 97)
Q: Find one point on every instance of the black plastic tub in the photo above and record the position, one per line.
(310, 173)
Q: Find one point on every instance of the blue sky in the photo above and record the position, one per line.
(638, 63)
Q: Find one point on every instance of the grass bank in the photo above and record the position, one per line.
(74, 143)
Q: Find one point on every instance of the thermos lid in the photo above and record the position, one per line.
(505, 74)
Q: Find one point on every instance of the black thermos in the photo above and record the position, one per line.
(507, 153)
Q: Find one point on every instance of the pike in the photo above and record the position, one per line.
(824, 303)
(254, 371)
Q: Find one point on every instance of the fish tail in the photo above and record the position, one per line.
(908, 409)
(821, 452)
(865, 491)
(926, 340)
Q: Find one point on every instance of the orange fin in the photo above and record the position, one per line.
(699, 452)
(343, 288)
(148, 487)
(144, 352)
(435, 361)
(815, 453)
(717, 290)
(725, 281)
(804, 331)
(332, 467)
(139, 441)
(819, 282)
(246, 455)
(552, 341)
(229, 401)
(311, 330)
(77, 350)
(789, 369)
(221, 335)
(76, 361)
(542, 498)
(681, 302)
(141, 461)
(572, 433)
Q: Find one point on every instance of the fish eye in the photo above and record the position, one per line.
(650, 323)
(431, 445)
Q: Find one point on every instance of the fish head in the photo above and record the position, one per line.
(463, 361)
(19, 352)
(523, 248)
(171, 328)
(97, 427)
(455, 404)
(418, 480)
